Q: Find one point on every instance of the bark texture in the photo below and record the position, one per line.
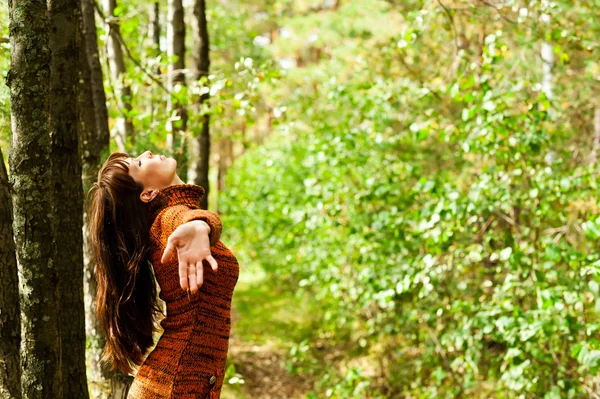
(93, 59)
(67, 190)
(154, 28)
(202, 66)
(10, 328)
(154, 52)
(31, 181)
(177, 123)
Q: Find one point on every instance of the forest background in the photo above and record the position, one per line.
(410, 186)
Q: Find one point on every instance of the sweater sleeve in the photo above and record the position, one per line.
(173, 216)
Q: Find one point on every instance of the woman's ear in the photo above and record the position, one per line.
(148, 195)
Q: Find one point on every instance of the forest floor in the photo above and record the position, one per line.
(265, 326)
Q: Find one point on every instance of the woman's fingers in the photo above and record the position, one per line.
(169, 250)
(213, 262)
(191, 272)
(183, 275)
(193, 278)
(199, 274)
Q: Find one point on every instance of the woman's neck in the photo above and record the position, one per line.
(176, 180)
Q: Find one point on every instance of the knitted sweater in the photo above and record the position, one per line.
(188, 361)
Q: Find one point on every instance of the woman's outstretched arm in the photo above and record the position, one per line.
(190, 233)
(173, 216)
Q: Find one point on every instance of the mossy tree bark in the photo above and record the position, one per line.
(202, 65)
(31, 180)
(68, 194)
(177, 123)
(10, 327)
(153, 52)
(154, 28)
(93, 57)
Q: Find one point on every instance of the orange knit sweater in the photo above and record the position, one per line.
(188, 361)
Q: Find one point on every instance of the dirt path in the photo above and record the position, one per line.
(264, 372)
(263, 369)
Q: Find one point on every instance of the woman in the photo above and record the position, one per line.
(142, 212)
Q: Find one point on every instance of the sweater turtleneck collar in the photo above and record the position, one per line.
(177, 194)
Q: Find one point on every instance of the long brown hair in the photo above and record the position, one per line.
(126, 304)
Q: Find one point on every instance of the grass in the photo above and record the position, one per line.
(267, 322)
(264, 313)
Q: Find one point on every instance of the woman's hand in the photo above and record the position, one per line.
(192, 242)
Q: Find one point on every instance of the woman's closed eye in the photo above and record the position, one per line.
(140, 163)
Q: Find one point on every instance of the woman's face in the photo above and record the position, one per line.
(154, 172)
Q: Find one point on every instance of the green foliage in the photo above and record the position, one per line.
(4, 91)
(429, 204)
(443, 222)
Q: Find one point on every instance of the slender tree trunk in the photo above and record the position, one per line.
(270, 119)
(202, 65)
(10, 327)
(596, 144)
(225, 161)
(177, 123)
(244, 135)
(31, 181)
(92, 144)
(93, 58)
(548, 63)
(194, 151)
(118, 71)
(547, 54)
(154, 48)
(67, 190)
(229, 155)
(222, 165)
(154, 28)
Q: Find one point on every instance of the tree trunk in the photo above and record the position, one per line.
(548, 63)
(225, 161)
(547, 54)
(154, 50)
(596, 143)
(244, 140)
(31, 180)
(118, 71)
(177, 122)
(93, 59)
(222, 164)
(202, 65)
(10, 327)
(154, 28)
(67, 191)
(194, 151)
(92, 146)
